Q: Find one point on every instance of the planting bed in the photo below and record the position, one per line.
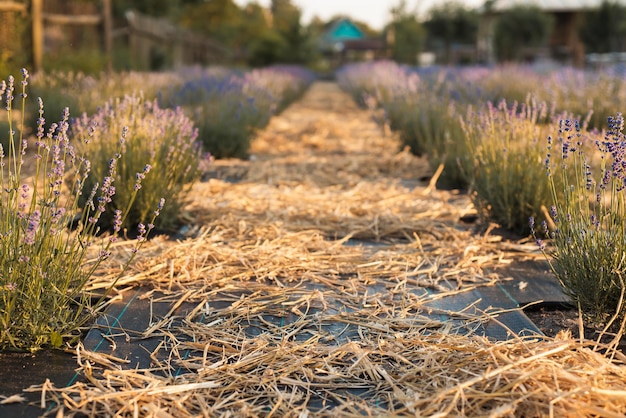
(328, 276)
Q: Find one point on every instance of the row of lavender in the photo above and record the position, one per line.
(539, 152)
(128, 160)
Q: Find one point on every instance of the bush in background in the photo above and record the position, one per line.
(84, 93)
(229, 109)
(507, 150)
(150, 139)
(420, 107)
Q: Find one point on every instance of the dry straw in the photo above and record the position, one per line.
(289, 316)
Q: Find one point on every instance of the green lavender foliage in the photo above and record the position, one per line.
(230, 108)
(85, 93)
(150, 139)
(587, 247)
(506, 175)
(45, 266)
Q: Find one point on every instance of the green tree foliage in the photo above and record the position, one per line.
(221, 20)
(449, 23)
(408, 34)
(158, 8)
(604, 28)
(262, 38)
(286, 22)
(261, 44)
(518, 28)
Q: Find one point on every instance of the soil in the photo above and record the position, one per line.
(555, 320)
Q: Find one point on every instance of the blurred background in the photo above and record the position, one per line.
(154, 35)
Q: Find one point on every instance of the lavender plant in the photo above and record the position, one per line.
(507, 180)
(286, 83)
(43, 264)
(229, 110)
(418, 106)
(432, 127)
(588, 243)
(150, 139)
(381, 80)
(86, 93)
(225, 115)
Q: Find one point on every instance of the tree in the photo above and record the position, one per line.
(408, 34)
(449, 23)
(518, 28)
(286, 22)
(604, 29)
(219, 19)
(160, 8)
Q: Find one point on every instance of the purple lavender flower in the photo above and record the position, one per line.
(540, 244)
(159, 207)
(33, 226)
(117, 220)
(141, 232)
(554, 213)
(9, 92)
(91, 197)
(56, 215)
(107, 192)
(140, 176)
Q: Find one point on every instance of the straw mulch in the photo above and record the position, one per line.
(309, 283)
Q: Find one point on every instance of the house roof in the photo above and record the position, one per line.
(549, 5)
(343, 30)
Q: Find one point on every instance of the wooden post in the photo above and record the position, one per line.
(107, 19)
(37, 16)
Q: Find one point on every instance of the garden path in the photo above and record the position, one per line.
(309, 275)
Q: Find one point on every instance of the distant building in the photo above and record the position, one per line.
(564, 44)
(343, 41)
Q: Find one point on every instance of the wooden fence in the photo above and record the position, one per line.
(149, 38)
(35, 12)
(157, 39)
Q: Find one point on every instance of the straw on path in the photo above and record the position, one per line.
(308, 282)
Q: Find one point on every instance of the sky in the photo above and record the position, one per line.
(373, 12)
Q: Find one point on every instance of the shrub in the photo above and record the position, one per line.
(507, 151)
(588, 241)
(85, 93)
(418, 105)
(381, 80)
(286, 83)
(43, 265)
(429, 123)
(228, 110)
(225, 113)
(151, 138)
